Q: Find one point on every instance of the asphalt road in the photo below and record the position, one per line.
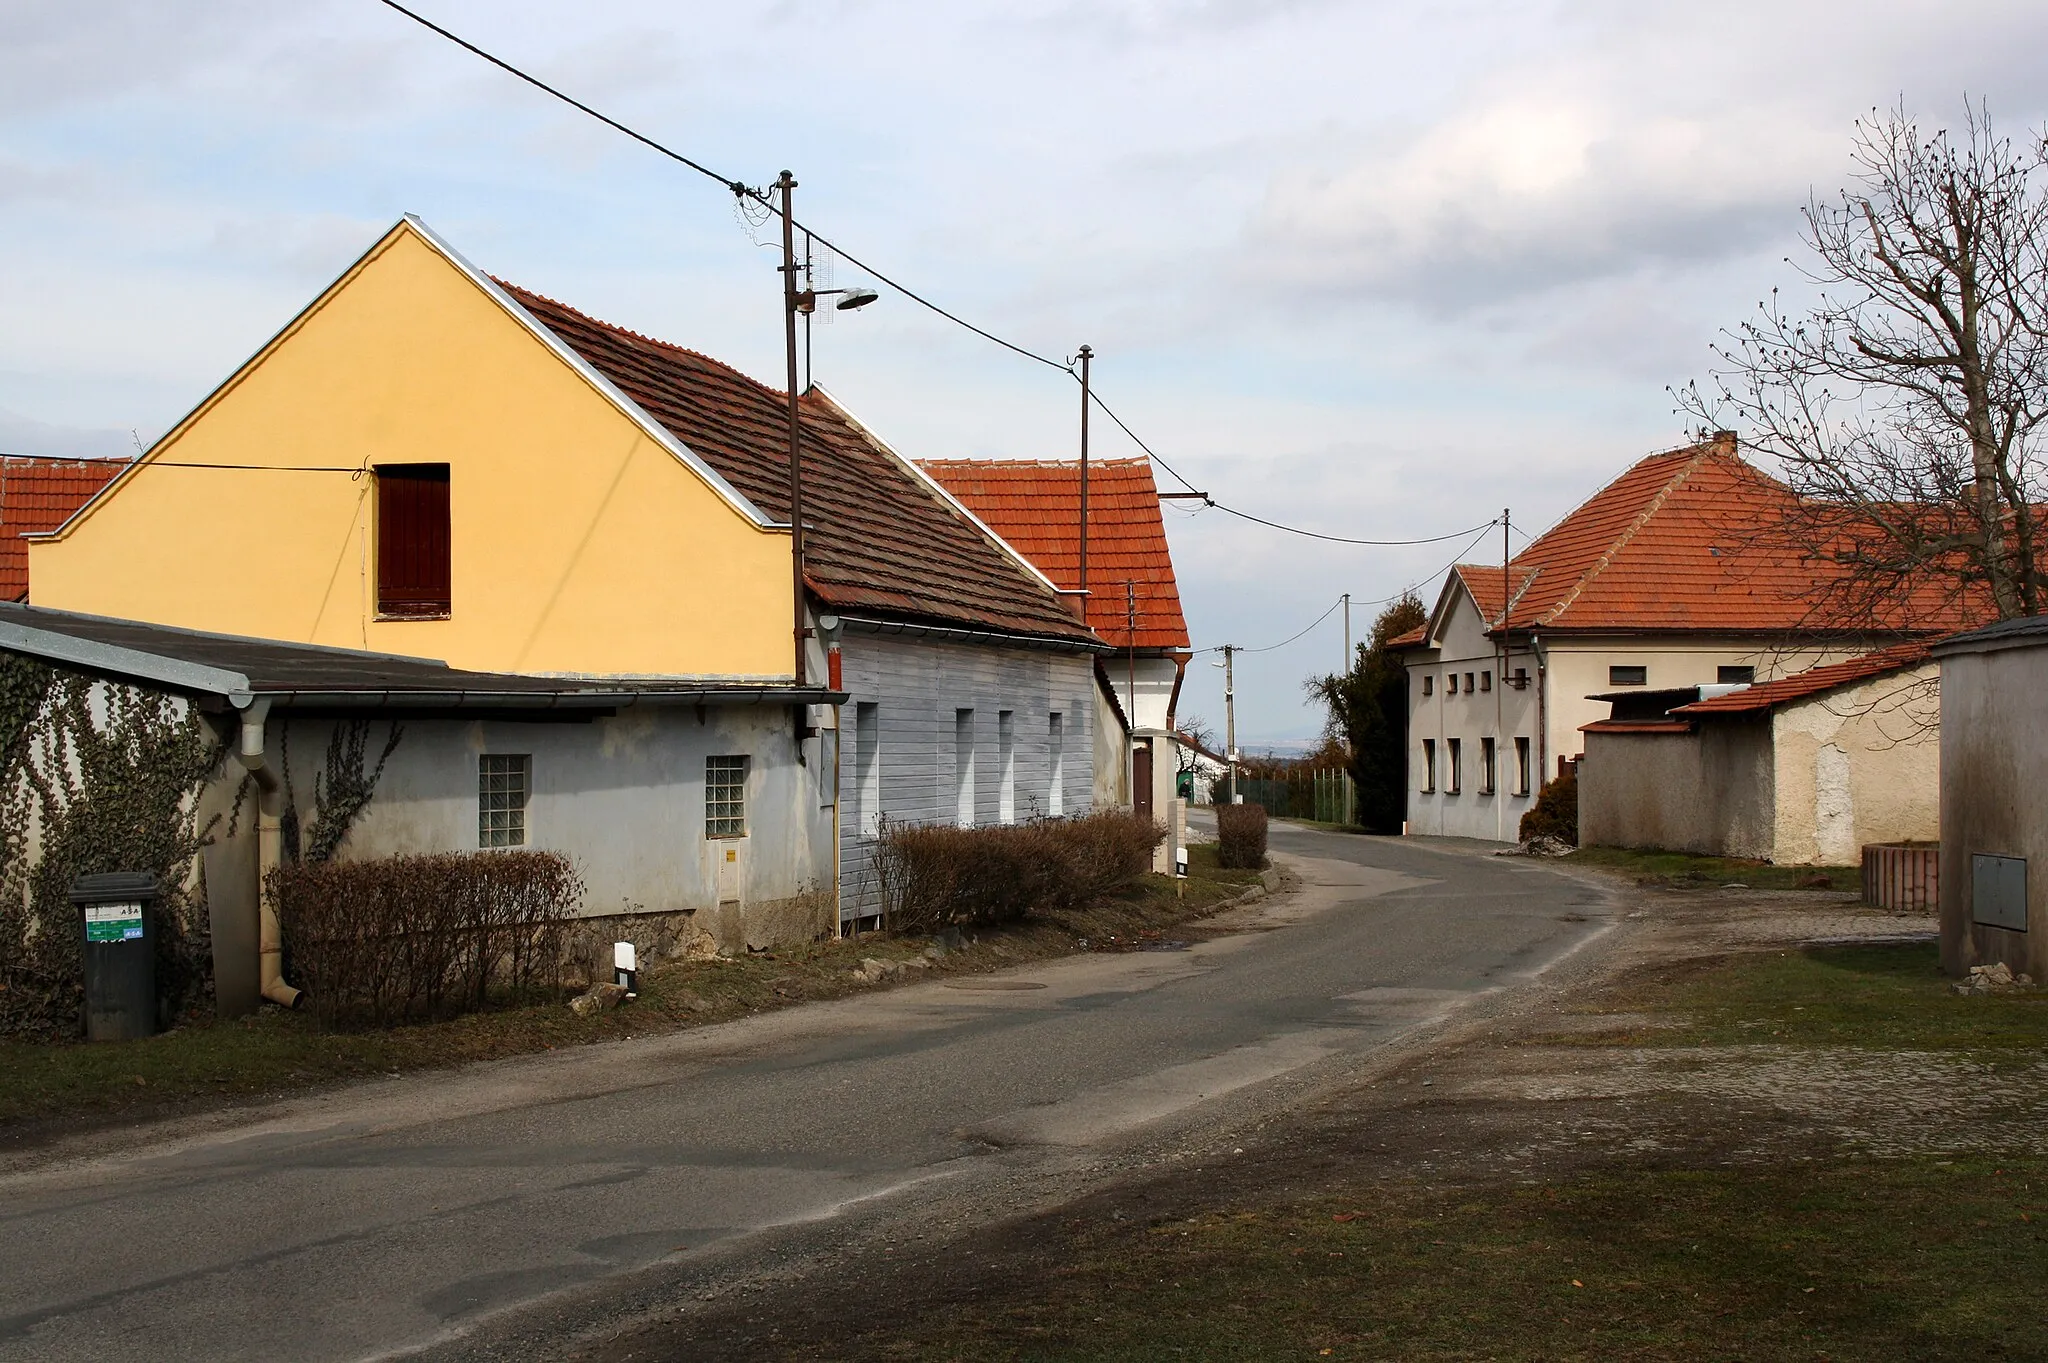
(429, 1212)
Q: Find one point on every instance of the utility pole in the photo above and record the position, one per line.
(786, 183)
(1086, 356)
(1230, 720)
(1500, 684)
(1347, 635)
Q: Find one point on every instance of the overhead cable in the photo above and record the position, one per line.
(743, 192)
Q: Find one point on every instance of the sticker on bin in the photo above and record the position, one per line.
(113, 922)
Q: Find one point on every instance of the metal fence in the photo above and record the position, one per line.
(1324, 796)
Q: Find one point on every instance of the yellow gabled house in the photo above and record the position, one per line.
(415, 465)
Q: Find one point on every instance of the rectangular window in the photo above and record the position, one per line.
(1056, 786)
(1732, 676)
(1521, 680)
(1521, 766)
(1469, 688)
(1453, 679)
(1486, 681)
(1428, 766)
(725, 797)
(867, 760)
(1486, 763)
(1453, 774)
(1006, 766)
(1628, 676)
(413, 541)
(1428, 683)
(963, 767)
(503, 783)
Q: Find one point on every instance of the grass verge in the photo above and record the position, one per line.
(1680, 869)
(47, 1088)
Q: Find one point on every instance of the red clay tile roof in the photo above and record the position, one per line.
(1636, 726)
(1036, 507)
(1677, 542)
(877, 538)
(37, 495)
(1812, 682)
(1414, 638)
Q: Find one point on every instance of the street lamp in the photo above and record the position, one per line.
(802, 301)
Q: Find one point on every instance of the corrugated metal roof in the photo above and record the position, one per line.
(1035, 505)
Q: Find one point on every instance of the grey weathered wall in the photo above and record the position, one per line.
(623, 798)
(1708, 792)
(917, 687)
(1994, 749)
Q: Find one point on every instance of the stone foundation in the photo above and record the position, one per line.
(693, 934)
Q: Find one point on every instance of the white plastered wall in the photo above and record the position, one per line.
(1859, 765)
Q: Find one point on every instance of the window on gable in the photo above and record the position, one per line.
(413, 541)
(1486, 681)
(1469, 688)
(1453, 683)
(504, 783)
(1628, 676)
(1734, 676)
(1428, 683)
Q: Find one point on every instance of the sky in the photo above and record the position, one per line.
(1377, 270)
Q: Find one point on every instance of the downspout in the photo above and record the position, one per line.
(1542, 717)
(269, 851)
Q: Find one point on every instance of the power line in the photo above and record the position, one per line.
(1290, 638)
(742, 191)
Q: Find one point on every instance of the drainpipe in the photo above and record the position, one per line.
(1542, 716)
(269, 851)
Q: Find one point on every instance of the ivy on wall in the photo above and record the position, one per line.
(94, 776)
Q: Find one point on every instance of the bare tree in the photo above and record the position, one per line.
(1904, 406)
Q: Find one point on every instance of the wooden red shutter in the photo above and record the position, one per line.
(412, 540)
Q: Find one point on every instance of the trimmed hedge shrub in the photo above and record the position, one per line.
(398, 938)
(934, 876)
(1241, 835)
(1556, 811)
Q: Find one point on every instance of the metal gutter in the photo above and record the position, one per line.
(92, 656)
(415, 698)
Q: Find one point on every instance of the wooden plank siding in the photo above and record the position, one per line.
(918, 687)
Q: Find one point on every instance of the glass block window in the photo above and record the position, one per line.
(504, 783)
(725, 797)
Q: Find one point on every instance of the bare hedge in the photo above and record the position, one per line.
(399, 938)
(936, 875)
(1241, 836)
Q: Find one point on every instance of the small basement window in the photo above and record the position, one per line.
(413, 571)
(504, 783)
(1734, 676)
(1628, 676)
(725, 797)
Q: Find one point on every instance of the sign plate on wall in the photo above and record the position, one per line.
(113, 922)
(1998, 891)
